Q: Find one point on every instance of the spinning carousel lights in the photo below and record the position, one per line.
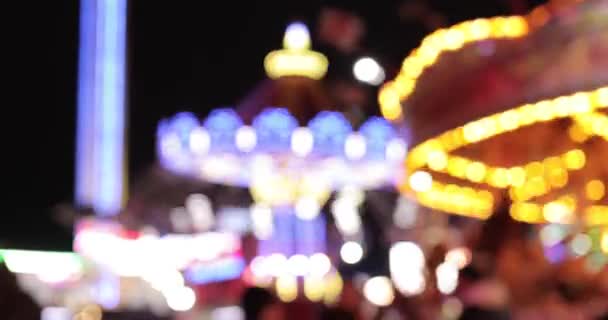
(531, 180)
(395, 92)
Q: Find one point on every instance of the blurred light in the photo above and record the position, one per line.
(296, 37)
(595, 190)
(296, 59)
(460, 257)
(437, 160)
(287, 287)
(369, 71)
(314, 288)
(180, 299)
(307, 208)
(351, 194)
(557, 212)
(298, 265)
(274, 127)
(406, 253)
(222, 125)
(405, 213)
(245, 138)
(319, 264)
(452, 308)
(200, 142)
(552, 234)
(91, 312)
(379, 291)
(333, 288)
(101, 106)
(330, 130)
(262, 219)
(604, 241)
(276, 265)
(223, 269)
(228, 313)
(302, 141)
(52, 267)
(55, 313)
(163, 279)
(396, 150)
(447, 277)
(581, 244)
(354, 147)
(346, 216)
(199, 207)
(421, 181)
(351, 252)
(180, 219)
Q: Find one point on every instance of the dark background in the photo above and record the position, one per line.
(183, 55)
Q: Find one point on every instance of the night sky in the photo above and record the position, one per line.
(183, 55)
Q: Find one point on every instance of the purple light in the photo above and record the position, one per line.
(329, 130)
(274, 127)
(101, 106)
(377, 132)
(222, 125)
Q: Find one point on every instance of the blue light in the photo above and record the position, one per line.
(222, 125)
(183, 123)
(101, 110)
(377, 132)
(217, 271)
(329, 129)
(274, 127)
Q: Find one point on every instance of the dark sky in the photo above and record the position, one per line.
(184, 55)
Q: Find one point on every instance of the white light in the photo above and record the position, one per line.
(228, 313)
(346, 216)
(581, 244)
(296, 37)
(407, 267)
(52, 267)
(352, 194)
(405, 213)
(262, 219)
(409, 282)
(245, 138)
(180, 299)
(302, 141)
(55, 313)
(163, 279)
(199, 207)
(258, 267)
(200, 141)
(447, 277)
(307, 208)
(396, 150)
(351, 252)
(180, 219)
(369, 71)
(421, 181)
(551, 234)
(320, 264)
(354, 147)
(379, 291)
(276, 265)
(460, 257)
(298, 265)
(406, 254)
